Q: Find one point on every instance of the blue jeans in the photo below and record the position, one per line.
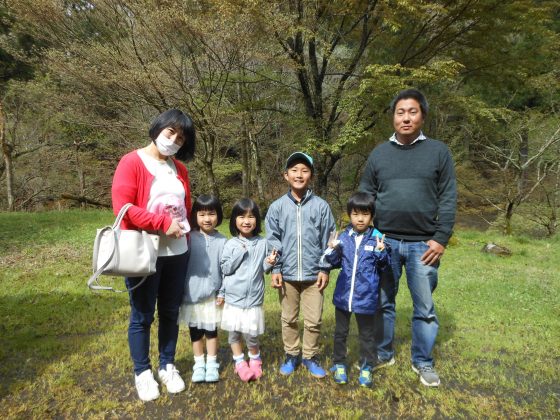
(166, 287)
(422, 281)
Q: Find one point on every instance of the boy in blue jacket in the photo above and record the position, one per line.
(298, 225)
(361, 255)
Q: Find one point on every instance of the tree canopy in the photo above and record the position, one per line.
(262, 79)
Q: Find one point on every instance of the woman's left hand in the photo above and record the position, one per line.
(175, 229)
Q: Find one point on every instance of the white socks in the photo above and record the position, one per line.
(239, 358)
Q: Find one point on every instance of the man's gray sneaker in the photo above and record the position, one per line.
(428, 375)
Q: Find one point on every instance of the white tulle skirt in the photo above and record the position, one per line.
(247, 321)
(204, 315)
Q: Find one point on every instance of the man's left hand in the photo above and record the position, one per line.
(322, 280)
(433, 254)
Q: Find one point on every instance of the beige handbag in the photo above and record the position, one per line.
(128, 253)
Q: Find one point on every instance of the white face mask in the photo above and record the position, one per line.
(166, 146)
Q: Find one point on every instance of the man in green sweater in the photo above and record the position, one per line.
(412, 178)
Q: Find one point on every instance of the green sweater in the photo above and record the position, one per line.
(414, 189)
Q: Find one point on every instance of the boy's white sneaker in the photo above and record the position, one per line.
(171, 379)
(146, 386)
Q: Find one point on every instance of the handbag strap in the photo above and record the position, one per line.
(120, 216)
(94, 276)
(116, 226)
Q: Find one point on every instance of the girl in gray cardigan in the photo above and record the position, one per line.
(244, 262)
(200, 310)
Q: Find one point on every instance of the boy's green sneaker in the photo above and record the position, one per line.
(340, 374)
(366, 377)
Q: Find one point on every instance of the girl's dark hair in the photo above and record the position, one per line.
(411, 94)
(206, 202)
(361, 201)
(180, 122)
(240, 208)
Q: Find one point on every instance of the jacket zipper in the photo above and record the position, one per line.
(299, 252)
(352, 281)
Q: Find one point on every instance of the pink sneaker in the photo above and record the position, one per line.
(256, 367)
(244, 372)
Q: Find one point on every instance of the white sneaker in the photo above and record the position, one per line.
(146, 386)
(171, 379)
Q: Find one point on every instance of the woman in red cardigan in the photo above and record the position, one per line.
(157, 185)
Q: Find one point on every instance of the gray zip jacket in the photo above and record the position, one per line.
(243, 265)
(204, 275)
(299, 232)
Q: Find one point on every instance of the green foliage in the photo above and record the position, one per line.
(380, 83)
(262, 79)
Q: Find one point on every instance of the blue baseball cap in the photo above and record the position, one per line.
(299, 156)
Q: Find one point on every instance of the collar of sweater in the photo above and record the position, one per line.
(394, 139)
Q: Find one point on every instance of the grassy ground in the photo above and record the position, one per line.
(64, 350)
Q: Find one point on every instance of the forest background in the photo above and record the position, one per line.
(80, 82)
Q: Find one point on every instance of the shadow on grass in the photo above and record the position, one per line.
(43, 331)
(39, 330)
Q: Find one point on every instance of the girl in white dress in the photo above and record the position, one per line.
(200, 309)
(244, 262)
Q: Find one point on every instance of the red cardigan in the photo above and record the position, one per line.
(132, 183)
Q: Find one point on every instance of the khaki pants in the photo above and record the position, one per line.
(292, 295)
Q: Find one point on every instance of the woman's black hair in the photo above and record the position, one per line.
(411, 94)
(240, 208)
(361, 201)
(180, 122)
(206, 202)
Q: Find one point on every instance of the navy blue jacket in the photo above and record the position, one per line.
(357, 286)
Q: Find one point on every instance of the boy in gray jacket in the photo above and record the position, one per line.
(298, 226)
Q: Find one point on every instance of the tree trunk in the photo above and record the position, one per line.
(509, 213)
(256, 158)
(523, 156)
(81, 175)
(554, 201)
(246, 169)
(84, 200)
(209, 169)
(7, 156)
(208, 139)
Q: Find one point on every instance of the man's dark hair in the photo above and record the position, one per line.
(361, 201)
(240, 208)
(181, 123)
(411, 94)
(206, 202)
